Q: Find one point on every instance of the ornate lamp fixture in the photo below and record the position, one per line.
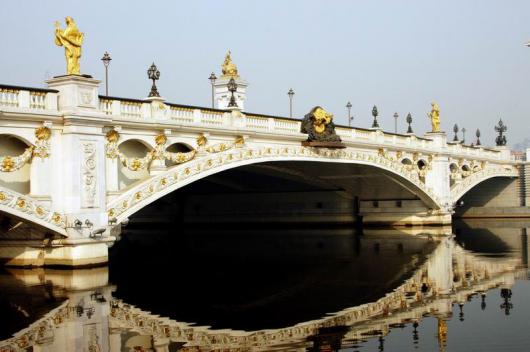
(375, 124)
(455, 130)
(501, 128)
(463, 135)
(232, 87)
(106, 61)
(154, 75)
(478, 137)
(409, 121)
(395, 121)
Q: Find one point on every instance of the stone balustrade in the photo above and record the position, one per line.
(24, 98)
(122, 110)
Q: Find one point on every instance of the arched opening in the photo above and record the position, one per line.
(270, 221)
(177, 148)
(466, 170)
(490, 196)
(19, 180)
(132, 148)
(406, 161)
(421, 164)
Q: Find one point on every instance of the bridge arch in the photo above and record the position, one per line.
(28, 210)
(208, 164)
(473, 180)
(132, 148)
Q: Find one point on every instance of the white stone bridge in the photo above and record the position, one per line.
(75, 165)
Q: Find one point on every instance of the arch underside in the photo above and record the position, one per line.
(346, 172)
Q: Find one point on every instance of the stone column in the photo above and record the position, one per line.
(41, 172)
(437, 177)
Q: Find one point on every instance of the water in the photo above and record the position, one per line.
(282, 290)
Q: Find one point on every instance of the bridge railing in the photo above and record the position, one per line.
(186, 115)
(16, 97)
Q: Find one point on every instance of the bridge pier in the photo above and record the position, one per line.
(78, 190)
(59, 252)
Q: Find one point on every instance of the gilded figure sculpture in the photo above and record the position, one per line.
(434, 115)
(72, 40)
(319, 126)
(228, 68)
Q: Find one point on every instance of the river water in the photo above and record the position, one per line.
(270, 289)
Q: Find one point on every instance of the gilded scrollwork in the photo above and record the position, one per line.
(228, 156)
(41, 149)
(112, 151)
(27, 205)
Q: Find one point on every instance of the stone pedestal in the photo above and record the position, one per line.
(505, 152)
(439, 138)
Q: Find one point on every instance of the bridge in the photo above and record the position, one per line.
(76, 165)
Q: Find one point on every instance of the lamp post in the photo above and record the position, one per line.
(375, 124)
(154, 75)
(409, 121)
(106, 61)
(395, 121)
(455, 130)
(212, 79)
(478, 136)
(463, 135)
(350, 119)
(232, 87)
(290, 93)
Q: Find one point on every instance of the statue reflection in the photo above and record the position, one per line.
(506, 294)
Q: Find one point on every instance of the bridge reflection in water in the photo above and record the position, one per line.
(290, 290)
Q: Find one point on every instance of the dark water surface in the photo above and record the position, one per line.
(461, 289)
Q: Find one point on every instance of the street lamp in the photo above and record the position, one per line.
(455, 130)
(463, 135)
(212, 79)
(350, 119)
(375, 124)
(395, 121)
(290, 93)
(106, 61)
(232, 87)
(154, 75)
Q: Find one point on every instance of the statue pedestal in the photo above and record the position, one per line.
(316, 144)
(77, 93)
(439, 138)
(506, 153)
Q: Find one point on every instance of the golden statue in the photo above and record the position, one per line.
(434, 115)
(319, 126)
(72, 40)
(321, 119)
(228, 68)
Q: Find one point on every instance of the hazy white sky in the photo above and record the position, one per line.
(399, 55)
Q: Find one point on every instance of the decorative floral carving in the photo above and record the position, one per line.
(88, 172)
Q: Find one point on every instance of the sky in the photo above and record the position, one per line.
(468, 56)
